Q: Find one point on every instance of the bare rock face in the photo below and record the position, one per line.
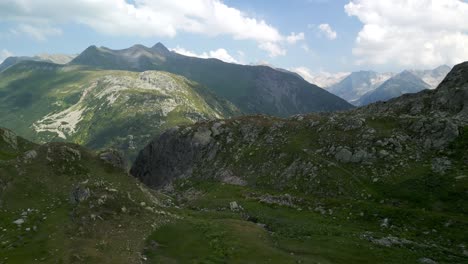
(9, 138)
(170, 156)
(114, 158)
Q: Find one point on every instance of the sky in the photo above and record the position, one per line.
(310, 36)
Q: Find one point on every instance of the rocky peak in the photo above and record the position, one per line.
(160, 48)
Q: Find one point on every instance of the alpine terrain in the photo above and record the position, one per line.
(121, 99)
(384, 183)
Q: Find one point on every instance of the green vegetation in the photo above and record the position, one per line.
(59, 203)
(101, 108)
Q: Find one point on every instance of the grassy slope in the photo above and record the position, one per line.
(59, 230)
(334, 217)
(30, 91)
(199, 227)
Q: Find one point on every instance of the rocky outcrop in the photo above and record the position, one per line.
(9, 138)
(312, 152)
(114, 157)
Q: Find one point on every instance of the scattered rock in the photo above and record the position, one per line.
(441, 165)
(234, 206)
(343, 155)
(202, 136)
(30, 155)
(114, 158)
(19, 221)
(79, 194)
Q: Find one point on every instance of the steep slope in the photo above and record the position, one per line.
(391, 175)
(357, 84)
(45, 102)
(253, 89)
(402, 83)
(60, 203)
(433, 77)
(52, 58)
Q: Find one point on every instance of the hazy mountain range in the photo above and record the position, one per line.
(357, 87)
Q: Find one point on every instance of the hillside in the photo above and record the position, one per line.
(52, 58)
(253, 89)
(61, 203)
(384, 183)
(100, 108)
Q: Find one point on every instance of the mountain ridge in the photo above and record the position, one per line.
(241, 84)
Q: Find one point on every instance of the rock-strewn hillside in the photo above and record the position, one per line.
(61, 203)
(253, 89)
(407, 155)
(102, 109)
(398, 131)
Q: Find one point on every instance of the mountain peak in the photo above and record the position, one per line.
(406, 74)
(137, 47)
(159, 47)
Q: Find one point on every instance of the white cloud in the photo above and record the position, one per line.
(273, 49)
(411, 33)
(322, 78)
(4, 54)
(145, 18)
(220, 54)
(327, 30)
(39, 33)
(293, 38)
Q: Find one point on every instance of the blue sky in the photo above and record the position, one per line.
(313, 35)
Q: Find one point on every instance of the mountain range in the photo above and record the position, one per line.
(361, 88)
(383, 183)
(244, 85)
(402, 83)
(83, 101)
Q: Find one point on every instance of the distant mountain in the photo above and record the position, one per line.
(253, 89)
(101, 108)
(53, 58)
(403, 83)
(359, 83)
(322, 79)
(433, 77)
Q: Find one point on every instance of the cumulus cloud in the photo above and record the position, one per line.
(293, 38)
(327, 30)
(273, 49)
(220, 54)
(4, 54)
(146, 18)
(411, 33)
